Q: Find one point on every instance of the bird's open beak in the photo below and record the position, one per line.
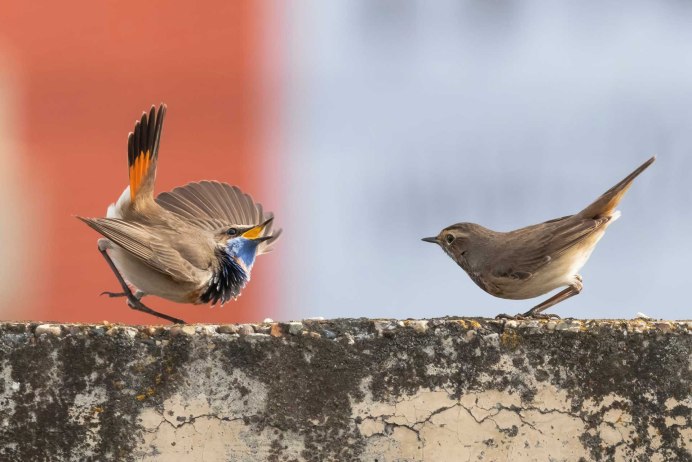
(430, 239)
(263, 238)
(255, 232)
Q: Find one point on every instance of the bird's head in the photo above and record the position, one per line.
(242, 242)
(236, 252)
(462, 241)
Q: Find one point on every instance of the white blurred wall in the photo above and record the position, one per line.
(405, 117)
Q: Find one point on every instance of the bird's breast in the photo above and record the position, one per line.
(227, 280)
(485, 283)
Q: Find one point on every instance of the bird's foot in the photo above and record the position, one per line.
(134, 303)
(114, 294)
(537, 314)
(138, 295)
(528, 315)
(509, 317)
(546, 316)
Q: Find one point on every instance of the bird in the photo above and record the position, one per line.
(194, 244)
(532, 261)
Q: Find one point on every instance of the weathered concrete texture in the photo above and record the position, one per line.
(385, 390)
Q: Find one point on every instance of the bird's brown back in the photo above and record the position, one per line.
(526, 250)
(523, 252)
(195, 245)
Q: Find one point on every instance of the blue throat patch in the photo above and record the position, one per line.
(245, 249)
(227, 282)
(230, 277)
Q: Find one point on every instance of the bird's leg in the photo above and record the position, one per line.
(132, 301)
(536, 311)
(571, 291)
(139, 306)
(113, 294)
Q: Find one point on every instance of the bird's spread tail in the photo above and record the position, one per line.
(605, 205)
(143, 152)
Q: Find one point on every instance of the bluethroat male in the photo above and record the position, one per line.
(195, 244)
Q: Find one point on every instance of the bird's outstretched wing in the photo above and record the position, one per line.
(213, 206)
(146, 246)
(535, 246)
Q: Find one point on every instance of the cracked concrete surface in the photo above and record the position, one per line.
(372, 390)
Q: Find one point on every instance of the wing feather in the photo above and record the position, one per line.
(144, 245)
(533, 248)
(213, 206)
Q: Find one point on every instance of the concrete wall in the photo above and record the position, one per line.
(383, 390)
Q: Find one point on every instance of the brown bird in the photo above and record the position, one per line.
(194, 244)
(532, 261)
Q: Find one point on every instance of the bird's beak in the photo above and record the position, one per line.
(255, 232)
(430, 239)
(263, 238)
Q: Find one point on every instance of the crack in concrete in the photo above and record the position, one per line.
(519, 411)
(191, 420)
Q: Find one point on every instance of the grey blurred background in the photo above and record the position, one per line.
(404, 117)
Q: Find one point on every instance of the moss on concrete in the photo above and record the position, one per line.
(339, 389)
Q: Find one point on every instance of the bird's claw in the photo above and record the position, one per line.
(114, 294)
(133, 301)
(516, 317)
(529, 315)
(545, 316)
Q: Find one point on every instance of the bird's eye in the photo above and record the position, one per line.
(232, 232)
(449, 238)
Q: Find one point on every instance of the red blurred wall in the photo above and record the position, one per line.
(85, 71)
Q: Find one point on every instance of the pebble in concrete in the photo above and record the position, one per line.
(295, 327)
(182, 330)
(228, 329)
(49, 329)
(246, 329)
(420, 326)
(276, 330)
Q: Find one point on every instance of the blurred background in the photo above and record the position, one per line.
(364, 125)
